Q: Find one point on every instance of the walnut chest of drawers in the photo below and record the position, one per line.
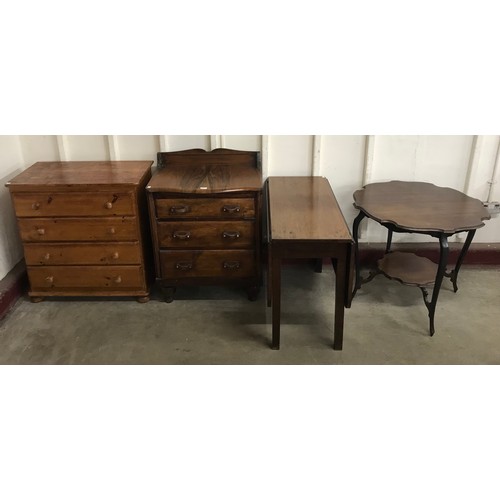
(205, 212)
(84, 228)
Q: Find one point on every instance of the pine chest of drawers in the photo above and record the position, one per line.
(84, 228)
(205, 219)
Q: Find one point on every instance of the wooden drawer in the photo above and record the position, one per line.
(44, 254)
(167, 208)
(44, 278)
(207, 234)
(73, 204)
(74, 229)
(207, 263)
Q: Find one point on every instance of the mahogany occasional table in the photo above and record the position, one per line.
(304, 220)
(423, 208)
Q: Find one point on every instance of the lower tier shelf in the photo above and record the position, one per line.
(408, 268)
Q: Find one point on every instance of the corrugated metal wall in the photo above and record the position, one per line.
(463, 162)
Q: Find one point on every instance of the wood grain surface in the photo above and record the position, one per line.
(312, 213)
(420, 206)
(408, 268)
(47, 175)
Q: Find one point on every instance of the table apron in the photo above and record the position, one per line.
(303, 249)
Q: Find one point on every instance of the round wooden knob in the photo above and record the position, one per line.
(35, 206)
(109, 205)
(118, 279)
(112, 230)
(115, 255)
(40, 230)
(46, 256)
(49, 279)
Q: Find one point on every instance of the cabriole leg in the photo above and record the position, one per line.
(355, 234)
(453, 275)
(443, 259)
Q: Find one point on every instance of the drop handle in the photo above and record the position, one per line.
(231, 235)
(182, 235)
(118, 279)
(232, 264)
(35, 206)
(41, 231)
(231, 209)
(49, 279)
(115, 255)
(46, 256)
(179, 209)
(108, 205)
(112, 230)
(184, 266)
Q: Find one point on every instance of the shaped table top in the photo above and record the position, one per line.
(420, 207)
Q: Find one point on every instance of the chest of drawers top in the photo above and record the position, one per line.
(80, 176)
(199, 172)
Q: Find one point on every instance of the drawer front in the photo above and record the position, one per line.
(43, 254)
(207, 263)
(208, 234)
(74, 229)
(73, 204)
(46, 278)
(237, 208)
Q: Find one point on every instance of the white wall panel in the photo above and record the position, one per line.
(443, 160)
(180, 142)
(87, 147)
(11, 164)
(483, 162)
(341, 161)
(39, 148)
(242, 142)
(290, 155)
(138, 147)
(461, 162)
(394, 157)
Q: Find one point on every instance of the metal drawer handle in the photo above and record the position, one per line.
(182, 235)
(46, 256)
(231, 264)
(108, 205)
(231, 209)
(115, 255)
(232, 235)
(112, 230)
(41, 231)
(35, 206)
(118, 279)
(49, 279)
(180, 209)
(184, 266)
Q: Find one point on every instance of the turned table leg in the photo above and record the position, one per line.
(389, 241)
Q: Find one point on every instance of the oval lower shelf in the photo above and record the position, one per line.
(408, 268)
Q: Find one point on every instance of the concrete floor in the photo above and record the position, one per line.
(387, 324)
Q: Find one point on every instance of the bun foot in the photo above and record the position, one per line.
(142, 300)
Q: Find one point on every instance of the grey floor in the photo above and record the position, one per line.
(387, 324)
